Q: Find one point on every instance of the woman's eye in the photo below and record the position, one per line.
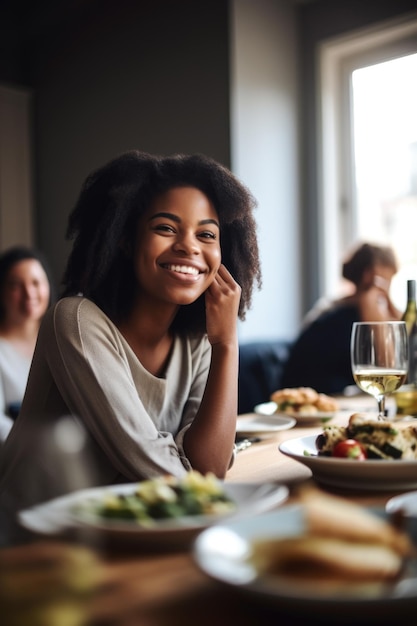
(207, 234)
(166, 228)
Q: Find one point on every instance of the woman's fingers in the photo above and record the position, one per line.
(222, 306)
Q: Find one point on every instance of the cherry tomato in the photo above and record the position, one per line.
(350, 449)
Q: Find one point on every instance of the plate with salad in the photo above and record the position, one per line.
(156, 511)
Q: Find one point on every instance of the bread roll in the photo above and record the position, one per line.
(303, 400)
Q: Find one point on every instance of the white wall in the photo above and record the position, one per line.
(264, 154)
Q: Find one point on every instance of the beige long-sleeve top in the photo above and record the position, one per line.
(134, 421)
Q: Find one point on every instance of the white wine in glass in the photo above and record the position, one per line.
(379, 357)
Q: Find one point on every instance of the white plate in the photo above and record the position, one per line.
(271, 408)
(266, 408)
(253, 423)
(405, 502)
(58, 516)
(223, 553)
(351, 474)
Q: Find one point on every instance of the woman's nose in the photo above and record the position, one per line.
(29, 291)
(186, 243)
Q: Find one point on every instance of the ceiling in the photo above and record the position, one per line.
(24, 20)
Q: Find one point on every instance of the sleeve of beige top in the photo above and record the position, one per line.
(92, 374)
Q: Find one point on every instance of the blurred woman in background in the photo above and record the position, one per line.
(320, 356)
(25, 294)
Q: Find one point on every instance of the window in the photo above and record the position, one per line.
(384, 125)
(368, 154)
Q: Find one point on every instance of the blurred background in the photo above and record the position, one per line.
(310, 103)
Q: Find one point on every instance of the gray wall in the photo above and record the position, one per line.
(152, 76)
(265, 154)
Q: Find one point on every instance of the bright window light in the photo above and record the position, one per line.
(385, 160)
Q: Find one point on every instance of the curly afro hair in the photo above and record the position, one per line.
(104, 222)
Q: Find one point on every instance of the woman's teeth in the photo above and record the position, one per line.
(183, 269)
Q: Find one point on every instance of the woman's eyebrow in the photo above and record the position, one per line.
(169, 216)
(209, 221)
(175, 218)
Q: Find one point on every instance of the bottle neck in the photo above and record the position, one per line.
(411, 292)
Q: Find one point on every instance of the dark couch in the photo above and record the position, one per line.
(261, 365)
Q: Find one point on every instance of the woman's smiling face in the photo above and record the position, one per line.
(26, 292)
(178, 251)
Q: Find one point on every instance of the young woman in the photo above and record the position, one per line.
(25, 293)
(143, 348)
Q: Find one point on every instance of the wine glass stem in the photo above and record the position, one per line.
(381, 407)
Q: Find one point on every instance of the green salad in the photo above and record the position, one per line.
(164, 497)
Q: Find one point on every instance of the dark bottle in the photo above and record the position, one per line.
(412, 356)
(410, 319)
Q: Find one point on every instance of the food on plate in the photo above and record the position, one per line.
(303, 401)
(350, 449)
(334, 516)
(163, 497)
(342, 543)
(377, 439)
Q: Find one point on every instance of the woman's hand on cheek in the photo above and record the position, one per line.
(222, 307)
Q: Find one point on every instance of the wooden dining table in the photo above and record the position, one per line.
(165, 587)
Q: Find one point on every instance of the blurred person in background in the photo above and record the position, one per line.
(25, 294)
(320, 356)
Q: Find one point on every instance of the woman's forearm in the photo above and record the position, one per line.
(209, 441)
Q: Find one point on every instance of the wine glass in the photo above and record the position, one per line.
(379, 358)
